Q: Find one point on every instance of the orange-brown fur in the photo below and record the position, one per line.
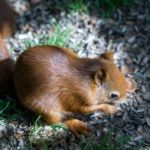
(55, 83)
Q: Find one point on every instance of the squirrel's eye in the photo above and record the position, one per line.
(113, 95)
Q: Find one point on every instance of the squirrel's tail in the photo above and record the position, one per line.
(6, 71)
(7, 21)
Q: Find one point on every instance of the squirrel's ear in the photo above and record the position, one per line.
(108, 55)
(130, 85)
(100, 76)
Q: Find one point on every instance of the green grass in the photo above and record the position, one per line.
(58, 126)
(107, 142)
(69, 6)
(58, 37)
(106, 7)
(77, 6)
(3, 106)
(98, 7)
(10, 111)
(35, 128)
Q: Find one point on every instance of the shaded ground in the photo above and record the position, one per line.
(127, 33)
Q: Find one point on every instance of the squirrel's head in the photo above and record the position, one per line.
(111, 83)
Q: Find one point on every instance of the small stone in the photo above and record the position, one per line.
(146, 96)
(131, 40)
(129, 61)
(140, 130)
(138, 138)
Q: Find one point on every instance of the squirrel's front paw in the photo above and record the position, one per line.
(110, 109)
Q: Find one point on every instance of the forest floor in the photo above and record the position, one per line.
(127, 33)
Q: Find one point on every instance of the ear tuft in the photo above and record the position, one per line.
(130, 85)
(108, 55)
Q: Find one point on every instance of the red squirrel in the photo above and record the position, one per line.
(7, 23)
(55, 83)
